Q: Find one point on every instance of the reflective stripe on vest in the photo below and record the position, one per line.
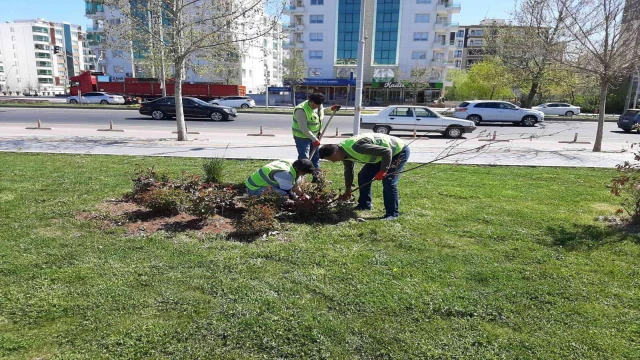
(393, 143)
(313, 121)
(265, 176)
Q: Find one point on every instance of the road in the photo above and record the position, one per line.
(279, 123)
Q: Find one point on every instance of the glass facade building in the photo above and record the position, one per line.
(386, 32)
(348, 31)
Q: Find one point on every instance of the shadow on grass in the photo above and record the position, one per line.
(584, 237)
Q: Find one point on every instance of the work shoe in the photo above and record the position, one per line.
(389, 218)
(363, 208)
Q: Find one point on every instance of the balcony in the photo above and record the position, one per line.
(441, 62)
(448, 7)
(300, 45)
(440, 44)
(293, 9)
(295, 27)
(94, 8)
(446, 25)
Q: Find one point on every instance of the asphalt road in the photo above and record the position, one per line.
(276, 123)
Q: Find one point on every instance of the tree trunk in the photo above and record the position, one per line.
(493, 90)
(597, 145)
(532, 93)
(182, 128)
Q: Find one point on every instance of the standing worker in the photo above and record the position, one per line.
(307, 124)
(282, 176)
(384, 157)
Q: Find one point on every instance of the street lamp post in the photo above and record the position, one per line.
(359, 80)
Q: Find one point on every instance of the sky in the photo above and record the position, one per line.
(72, 11)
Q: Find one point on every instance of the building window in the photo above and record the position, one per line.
(19, 81)
(12, 29)
(17, 71)
(13, 38)
(422, 18)
(43, 63)
(460, 33)
(423, 1)
(275, 74)
(40, 38)
(59, 32)
(420, 36)
(348, 31)
(317, 2)
(45, 81)
(476, 33)
(118, 53)
(476, 43)
(250, 73)
(39, 29)
(386, 32)
(317, 19)
(118, 69)
(315, 72)
(457, 53)
(44, 72)
(460, 44)
(315, 36)
(314, 54)
(419, 55)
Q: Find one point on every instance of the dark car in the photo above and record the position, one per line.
(128, 99)
(629, 120)
(165, 107)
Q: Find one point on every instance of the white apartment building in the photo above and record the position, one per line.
(261, 61)
(28, 63)
(400, 34)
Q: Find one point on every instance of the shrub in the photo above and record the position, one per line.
(165, 201)
(214, 170)
(322, 204)
(146, 180)
(257, 220)
(627, 186)
(190, 183)
(269, 198)
(211, 201)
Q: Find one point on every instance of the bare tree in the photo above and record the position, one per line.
(599, 43)
(295, 69)
(417, 79)
(189, 29)
(530, 43)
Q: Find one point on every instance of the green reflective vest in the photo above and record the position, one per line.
(396, 145)
(313, 120)
(265, 176)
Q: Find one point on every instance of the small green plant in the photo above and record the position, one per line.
(269, 198)
(165, 201)
(627, 186)
(256, 221)
(214, 170)
(211, 201)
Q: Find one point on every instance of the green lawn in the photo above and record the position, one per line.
(486, 262)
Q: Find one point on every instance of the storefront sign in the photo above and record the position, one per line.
(117, 79)
(328, 82)
(279, 89)
(393, 85)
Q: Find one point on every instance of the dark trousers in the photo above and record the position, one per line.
(389, 183)
(304, 147)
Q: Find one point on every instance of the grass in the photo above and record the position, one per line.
(486, 262)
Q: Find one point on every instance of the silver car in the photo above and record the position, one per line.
(102, 98)
(415, 118)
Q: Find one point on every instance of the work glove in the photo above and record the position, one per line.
(304, 197)
(380, 175)
(346, 196)
(335, 108)
(316, 143)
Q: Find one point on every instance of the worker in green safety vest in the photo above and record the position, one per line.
(306, 127)
(384, 158)
(282, 176)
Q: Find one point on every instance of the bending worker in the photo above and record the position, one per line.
(307, 124)
(282, 176)
(384, 157)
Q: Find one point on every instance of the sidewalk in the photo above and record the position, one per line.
(518, 152)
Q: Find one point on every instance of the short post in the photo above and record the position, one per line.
(575, 140)
(414, 133)
(261, 133)
(336, 132)
(111, 128)
(493, 138)
(39, 127)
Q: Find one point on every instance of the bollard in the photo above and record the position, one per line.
(414, 133)
(261, 133)
(493, 138)
(337, 132)
(574, 141)
(111, 128)
(39, 127)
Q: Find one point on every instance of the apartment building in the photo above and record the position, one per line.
(28, 62)
(470, 41)
(260, 64)
(399, 35)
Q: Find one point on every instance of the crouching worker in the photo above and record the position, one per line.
(384, 157)
(282, 176)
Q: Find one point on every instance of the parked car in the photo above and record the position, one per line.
(497, 111)
(235, 102)
(97, 98)
(629, 120)
(418, 118)
(164, 108)
(561, 109)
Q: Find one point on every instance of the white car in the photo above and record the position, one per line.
(235, 102)
(97, 98)
(413, 117)
(561, 109)
(497, 111)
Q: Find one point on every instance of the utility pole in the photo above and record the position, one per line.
(359, 80)
(163, 74)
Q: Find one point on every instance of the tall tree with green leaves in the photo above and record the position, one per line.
(490, 79)
(295, 70)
